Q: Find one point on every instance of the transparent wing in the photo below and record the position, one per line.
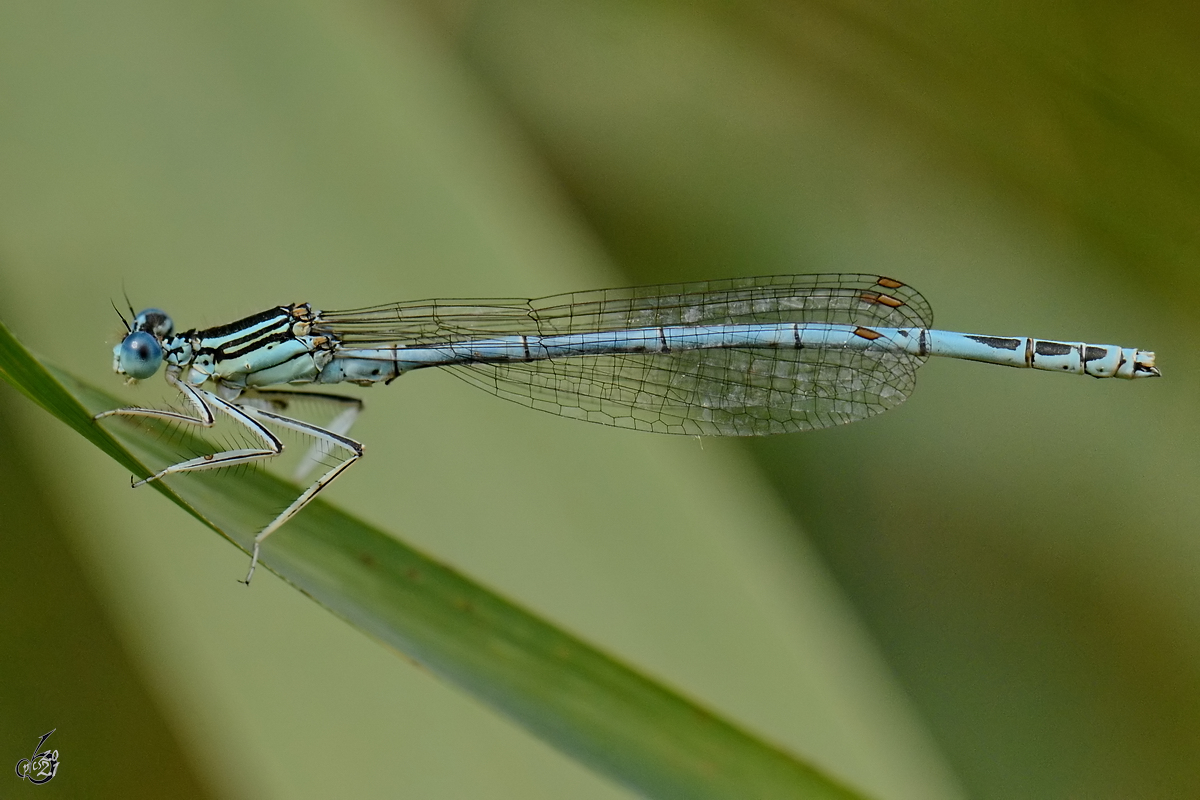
(728, 392)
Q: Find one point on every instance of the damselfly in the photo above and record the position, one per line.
(739, 357)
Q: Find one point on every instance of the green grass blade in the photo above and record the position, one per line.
(580, 700)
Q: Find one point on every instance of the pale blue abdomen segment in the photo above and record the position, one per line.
(386, 363)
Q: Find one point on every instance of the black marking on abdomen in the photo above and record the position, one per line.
(796, 336)
(997, 342)
(1044, 348)
(525, 344)
(1093, 353)
(662, 337)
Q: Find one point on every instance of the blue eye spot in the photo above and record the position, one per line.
(139, 356)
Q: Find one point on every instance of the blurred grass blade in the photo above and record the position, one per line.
(583, 702)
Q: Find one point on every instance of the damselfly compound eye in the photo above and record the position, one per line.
(139, 356)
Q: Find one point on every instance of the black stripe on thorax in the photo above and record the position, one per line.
(246, 335)
(221, 331)
(227, 351)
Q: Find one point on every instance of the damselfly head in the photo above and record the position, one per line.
(140, 354)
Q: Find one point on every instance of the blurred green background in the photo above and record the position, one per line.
(989, 592)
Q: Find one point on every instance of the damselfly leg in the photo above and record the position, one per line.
(251, 411)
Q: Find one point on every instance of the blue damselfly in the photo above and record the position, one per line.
(738, 357)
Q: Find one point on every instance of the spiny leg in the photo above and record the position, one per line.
(204, 402)
(277, 401)
(249, 416)
(190, 393)
(354, 448)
